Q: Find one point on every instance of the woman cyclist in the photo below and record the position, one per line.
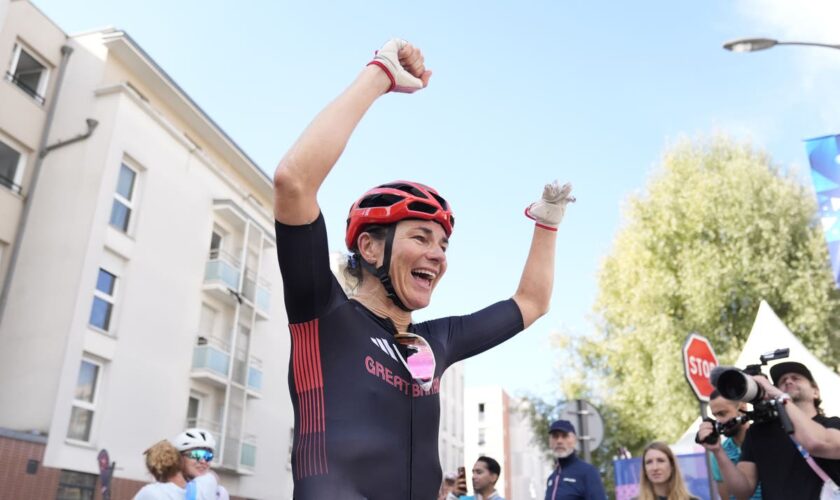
(363, 376)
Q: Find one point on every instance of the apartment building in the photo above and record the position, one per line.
(145, 295)
(486, 423)
(529, 466)
(141, 289)
(496, 425)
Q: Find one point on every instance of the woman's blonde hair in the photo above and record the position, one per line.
(676, 486)
(163, 460)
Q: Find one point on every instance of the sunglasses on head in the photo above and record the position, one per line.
(199, 455)
(420, 360)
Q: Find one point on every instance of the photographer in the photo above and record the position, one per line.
(729, 415)
(769, 455)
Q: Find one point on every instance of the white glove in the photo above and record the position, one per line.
(549, 210)
(388, 58)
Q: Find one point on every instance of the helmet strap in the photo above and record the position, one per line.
(382, 271)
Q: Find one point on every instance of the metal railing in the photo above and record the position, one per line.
(248, 452)
(9, 183)
(223, 267)
(257, 291)
(211, 354)
(255, 374)
(203, 423)
(26, 88)
(263, 298)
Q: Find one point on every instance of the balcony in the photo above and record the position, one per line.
(221, 274)
(240, 455)
(258, 292)
(211, 360)
(255, 376)
(202, 423)
(248, 453)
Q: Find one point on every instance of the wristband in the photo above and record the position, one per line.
(537, 222)
(387, 72)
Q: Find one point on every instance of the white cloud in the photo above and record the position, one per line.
(802, 20)
(815, 71)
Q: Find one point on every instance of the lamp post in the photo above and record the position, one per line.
(756, 44)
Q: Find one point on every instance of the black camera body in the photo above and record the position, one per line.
(723, 428)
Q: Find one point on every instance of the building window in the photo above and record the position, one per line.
(481, 437)
(481, 412)
(216, 243)
(103, 301)
(28, 74)
(193, 410)
(74, 485)
(84, 401)
(10, 167)
(123, 199)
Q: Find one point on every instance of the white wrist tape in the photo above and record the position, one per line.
(388, 59)
(548, 211)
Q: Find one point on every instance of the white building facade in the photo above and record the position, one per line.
(529, 467)
(145, 296)
(497, 426)
(486, 424)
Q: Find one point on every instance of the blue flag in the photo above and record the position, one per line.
(824, 156)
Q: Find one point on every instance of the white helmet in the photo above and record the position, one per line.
(194, 438)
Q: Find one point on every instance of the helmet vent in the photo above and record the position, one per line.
(441, 201)
(419, 206)
(380, 200)
(408, 188)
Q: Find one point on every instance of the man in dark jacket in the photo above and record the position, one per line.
(572, 478)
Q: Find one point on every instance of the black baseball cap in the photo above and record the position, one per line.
(781, 369)
(562, 426)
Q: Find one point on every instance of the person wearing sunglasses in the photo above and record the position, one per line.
(169, 467)
(363, 377)
(196, 447)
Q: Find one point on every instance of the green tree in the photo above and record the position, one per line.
(718, 229)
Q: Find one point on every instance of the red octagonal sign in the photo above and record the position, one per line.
(699, 359)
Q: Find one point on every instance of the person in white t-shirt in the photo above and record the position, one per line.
(179, 475)
(197, 447)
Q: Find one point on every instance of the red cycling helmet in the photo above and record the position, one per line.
(394, 202)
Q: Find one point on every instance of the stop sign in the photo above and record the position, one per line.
(699, 359)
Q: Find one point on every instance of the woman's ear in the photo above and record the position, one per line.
(369, 249)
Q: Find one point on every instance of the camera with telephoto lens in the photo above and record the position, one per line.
(738, 385)
(735, 384)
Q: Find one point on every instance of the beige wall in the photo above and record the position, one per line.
(22, 119)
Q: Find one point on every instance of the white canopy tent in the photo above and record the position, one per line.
(768, 333)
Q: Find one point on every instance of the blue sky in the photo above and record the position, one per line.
(522, 93)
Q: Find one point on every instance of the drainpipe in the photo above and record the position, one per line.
(43, 150)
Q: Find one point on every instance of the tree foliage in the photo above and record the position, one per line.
(718, 229)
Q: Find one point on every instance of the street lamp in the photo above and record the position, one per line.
(755, 44)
